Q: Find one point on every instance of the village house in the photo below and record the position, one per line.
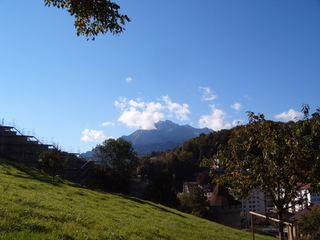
(226, 210)
(255, 203)
(206, 188)
(308, 199)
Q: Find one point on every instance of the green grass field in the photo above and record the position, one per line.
(33, 207)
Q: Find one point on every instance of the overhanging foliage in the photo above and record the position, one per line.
(93, 17)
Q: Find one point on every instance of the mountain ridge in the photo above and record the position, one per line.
(165, 136)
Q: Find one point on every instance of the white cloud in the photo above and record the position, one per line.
(128, 79)
(215, 120)
(180, 111)
(90, 135)
(107, 124)
(207, 94)
(236, 106)
(121, 103)
(236, 122)
(289, 115)
(137, 104)
(139, 114)
(144, 115)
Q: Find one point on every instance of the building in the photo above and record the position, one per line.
(22, 148)
(307, 198)
(255, 203)
(17, 146)
(225, 209)
(206, 188)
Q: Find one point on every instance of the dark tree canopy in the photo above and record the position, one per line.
(53, 160)
(161, 190)
(310, 223)
(193, 201)
(93, 17)
(120, 161)
(204, 178)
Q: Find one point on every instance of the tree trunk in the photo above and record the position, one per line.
(281, 225)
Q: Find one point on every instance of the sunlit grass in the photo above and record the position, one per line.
(33, 207)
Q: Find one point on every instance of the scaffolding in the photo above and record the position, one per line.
(25, 148)
(14, 144)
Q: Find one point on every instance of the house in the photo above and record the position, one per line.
(306, 197)
(206, 188)
(255, 203)
(225, 209)
(298, 215)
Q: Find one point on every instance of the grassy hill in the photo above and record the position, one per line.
(34, 207)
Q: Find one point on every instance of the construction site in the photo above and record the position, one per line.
(17, 146)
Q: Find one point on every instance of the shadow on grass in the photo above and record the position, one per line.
(35, 174)
(158, 206)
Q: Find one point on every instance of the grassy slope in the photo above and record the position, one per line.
(34, 207)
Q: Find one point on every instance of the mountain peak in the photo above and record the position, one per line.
(167, 124)
(165, 132)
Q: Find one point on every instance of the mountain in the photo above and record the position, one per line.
(166, 135)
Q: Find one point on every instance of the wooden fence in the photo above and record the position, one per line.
(292, 229)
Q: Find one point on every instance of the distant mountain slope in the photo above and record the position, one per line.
(165, 131)
(166, 135)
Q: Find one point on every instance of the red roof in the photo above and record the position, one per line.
(221, 197)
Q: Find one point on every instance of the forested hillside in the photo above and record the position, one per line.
(179, 164)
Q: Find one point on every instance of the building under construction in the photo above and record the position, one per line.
(17, 146)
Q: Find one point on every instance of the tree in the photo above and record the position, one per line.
(120, 161)
(93, 16)
(53, 160)
(204, 178)
(193, 201)
(310, 224)
(161, 190)
(279, 158)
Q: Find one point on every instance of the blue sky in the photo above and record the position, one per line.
(203, 63)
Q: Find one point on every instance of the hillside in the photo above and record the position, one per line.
(34, 207)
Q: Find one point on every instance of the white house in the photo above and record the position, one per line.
(307, 199)
(255, 203)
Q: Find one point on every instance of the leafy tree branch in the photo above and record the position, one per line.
(93, 17)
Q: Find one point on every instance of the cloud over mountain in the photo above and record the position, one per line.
(92, 135)
(143, 115)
